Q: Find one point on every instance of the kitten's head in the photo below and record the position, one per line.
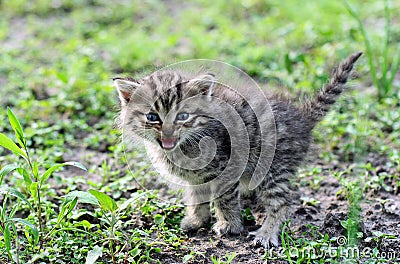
(166, 108)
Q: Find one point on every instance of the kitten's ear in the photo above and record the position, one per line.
(205, 83)
(125, 88)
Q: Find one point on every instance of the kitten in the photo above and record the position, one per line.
(220, 141)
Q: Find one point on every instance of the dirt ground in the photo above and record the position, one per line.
(380, 211)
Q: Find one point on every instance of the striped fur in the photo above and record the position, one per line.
(164, 93)
(317, 108)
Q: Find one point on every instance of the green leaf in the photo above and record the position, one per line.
(158, 219)
(19, 133)
(33, 228)
(86, 224)
(230, 257)
(33, 188)
(67, 206)
(106, 202)
(7, 143)
(130, 201)
(27, 179)
(6, 170)
(94, 254)
(62, 76)
(186, 258)
(48, 173)
(135, 252)
(84, 197)
(14, 192)
(35, 170)
(7, 239)
(76, 164)
(24, 222)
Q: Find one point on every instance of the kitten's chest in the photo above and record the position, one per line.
(189, 165)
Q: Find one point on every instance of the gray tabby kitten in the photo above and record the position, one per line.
(169, 111)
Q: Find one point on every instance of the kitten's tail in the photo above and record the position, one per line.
(317, 108)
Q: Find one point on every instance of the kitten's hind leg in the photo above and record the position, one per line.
(276, 197)
(229, 218)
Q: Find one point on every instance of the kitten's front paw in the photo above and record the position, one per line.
(192, 224)
(265, 240)
(224, 227)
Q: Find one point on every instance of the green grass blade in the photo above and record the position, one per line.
(7, 240)
(14, 192)
(84, 197)
(35, 170)
(385, 66)
(395, 65)
(48, 173)
(27, 179)
(106, 202)
(16, 125)
(7, 143)
(67, 206)
(368, 47)
(33, 228)
(230, 257)
(185, 258)
(94, 254)
(33, 188)
(129, 202)
(13, 211)
(6, 170)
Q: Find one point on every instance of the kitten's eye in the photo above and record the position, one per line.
(182, 116)
(152, 117)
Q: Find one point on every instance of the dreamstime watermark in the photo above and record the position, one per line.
(342, 251)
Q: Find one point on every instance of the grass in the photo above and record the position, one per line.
(56, 64)
(383, 72)
(34, 182)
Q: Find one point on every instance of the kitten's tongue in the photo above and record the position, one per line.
(168, 143)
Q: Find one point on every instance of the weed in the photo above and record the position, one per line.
(111, 217)
(384, 73)
(34, 182)
(309, 201)
(224, 260)
(313, 249)
(353, 191)
(311, 176)
(247, 215)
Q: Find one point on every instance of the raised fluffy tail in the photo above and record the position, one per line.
(317, 107)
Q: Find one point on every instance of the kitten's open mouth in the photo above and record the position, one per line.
(168, 142)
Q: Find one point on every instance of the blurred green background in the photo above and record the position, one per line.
(57, 59)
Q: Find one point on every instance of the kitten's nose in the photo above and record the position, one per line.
(167, 132)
